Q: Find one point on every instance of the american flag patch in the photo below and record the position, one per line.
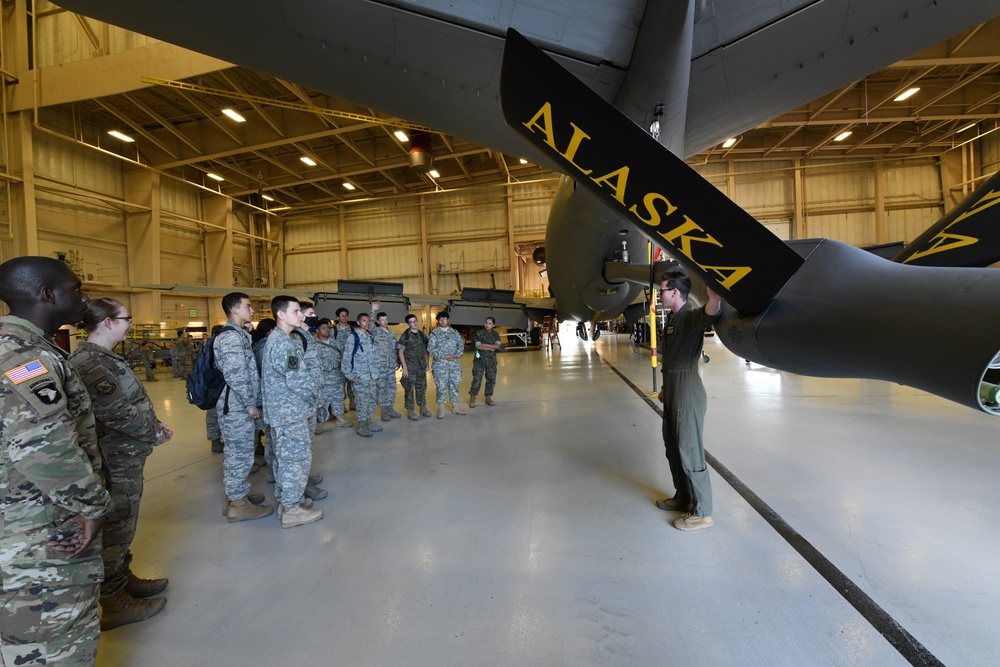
(32, 369)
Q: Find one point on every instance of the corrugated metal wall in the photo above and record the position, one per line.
(61, 40)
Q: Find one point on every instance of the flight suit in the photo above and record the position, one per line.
(684, 406)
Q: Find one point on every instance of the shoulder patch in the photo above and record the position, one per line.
(105, 388)
(27, 371)
(46, 391)
(293, 363)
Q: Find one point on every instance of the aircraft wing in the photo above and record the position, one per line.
(437, 62)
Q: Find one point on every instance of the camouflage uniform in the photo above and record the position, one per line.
(127, 430)
(212, 430)
(385, 343)
(235, 360)
(148, 358)
(485, 361)
(447, 374)
(185, 357)
(340, 335)
(414, 349)
(49, 472)
(290, 395)
(310, 353)
(362, 368)
(332, 389)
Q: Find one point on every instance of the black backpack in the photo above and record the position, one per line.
(206, 382)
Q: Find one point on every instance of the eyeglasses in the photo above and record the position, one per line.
(667, 289)
(127, 317)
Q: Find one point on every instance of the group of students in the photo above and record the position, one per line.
(287, 381)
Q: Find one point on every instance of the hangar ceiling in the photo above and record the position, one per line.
(179, 128)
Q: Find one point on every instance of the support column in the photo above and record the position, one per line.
(142, 236)
(425, 266)
(342, 218)
(515, 281)
(798, 226)
(20, 161)
(881, 221)
(218, 211)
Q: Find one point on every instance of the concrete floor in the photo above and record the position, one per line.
(525, 533)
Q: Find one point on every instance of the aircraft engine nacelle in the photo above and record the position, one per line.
(847, 313)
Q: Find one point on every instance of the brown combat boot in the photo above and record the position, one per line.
(122, 609)
(143, 588)
(242, 510)
(472, 400)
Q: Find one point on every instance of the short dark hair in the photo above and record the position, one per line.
(380, 315)
(306, 304)
(443, 315)
(492, 319)
(280, 304)
(217, 329)
(363, 315)
(264, 327)
(232, 300)
(323, 320)
(409, 317)
(343, 310)
(678, 281)
(22, 278)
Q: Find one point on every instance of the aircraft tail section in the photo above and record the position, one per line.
(657, 192)
(968, 236)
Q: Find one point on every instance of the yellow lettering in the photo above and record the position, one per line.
(942, 243)
(574, 145)
(728, 275)
(680, 235)
(649, 202)
(616, 180)
(991, 198)
(545, 115)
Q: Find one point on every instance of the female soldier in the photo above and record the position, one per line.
(127, 430)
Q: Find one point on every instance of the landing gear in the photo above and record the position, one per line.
(581, 331)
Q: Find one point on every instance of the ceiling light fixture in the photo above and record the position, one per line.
(235, 116)
(729, 143)
(267, 198)
(401, 135)
(433, 173)
(906, 94)
(349, 186)
(308, 160)
(215, 177)
(967, 127)
(843, 135)
(118, 135)
(523, 161)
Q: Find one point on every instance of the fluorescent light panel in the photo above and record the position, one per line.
(433, 173)
(729, 143)
(843, 135)
(267, 198)
(967, 127)
(235, 116)
(349, 186)
(401, 135)
(906, 94)
(523, 161)
(118, 135)
(215, 177)
(308, 160)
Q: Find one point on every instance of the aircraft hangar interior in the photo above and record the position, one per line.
(170, 153)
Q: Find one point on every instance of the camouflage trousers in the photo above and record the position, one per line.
(292, 460)
(385, 388)
(416, 384)
(364, 393)
(447, 377)
(212, 424)
(126, 463)
(49, 625)
(150, 369)
(487, 365)
(332, 394)
(240, 433)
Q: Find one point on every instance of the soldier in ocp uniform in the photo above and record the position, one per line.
(487, 345)
(447, 347)
(360, 365)
(412, 350)
(185, 355)
(385, 385)
(147, 355)
(290, 399)
(239, 411)
(52, 499)
(127, 431)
